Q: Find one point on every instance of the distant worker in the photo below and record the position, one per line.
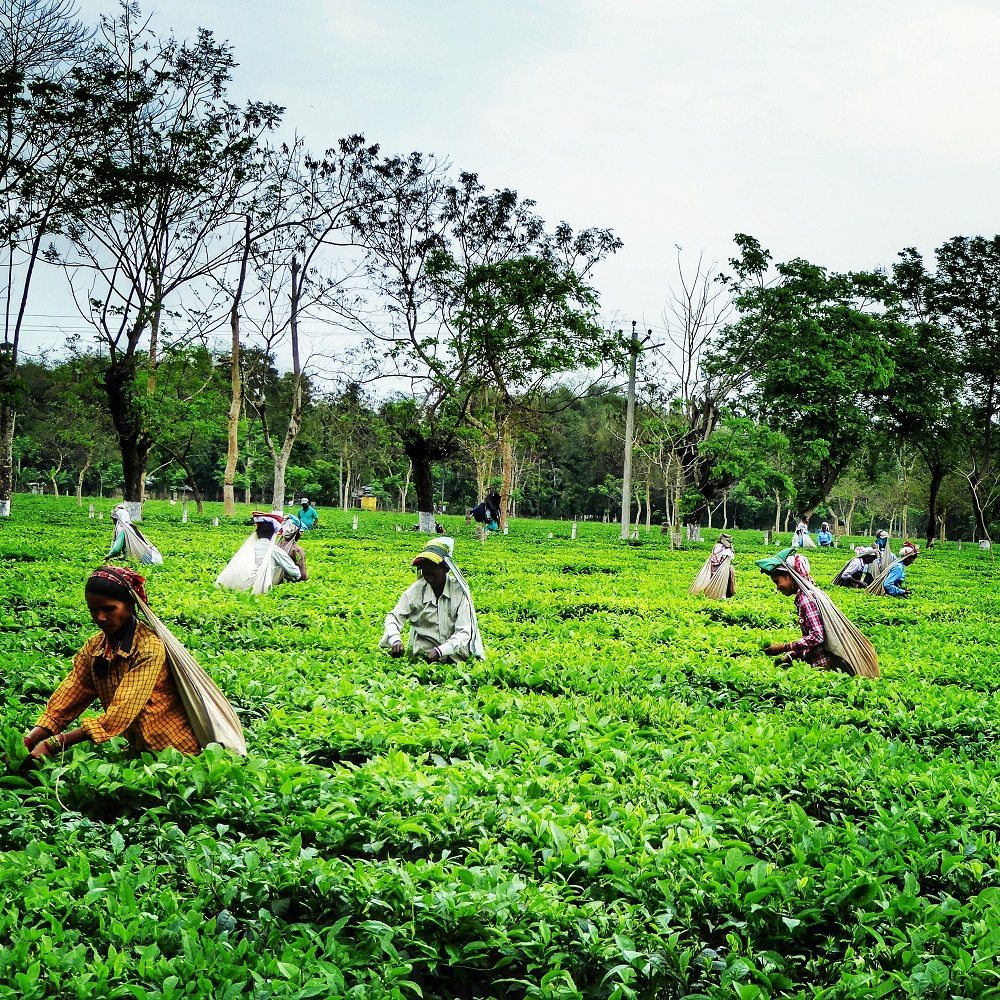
(129, 542)
(825, 537)
(883, 548)
(307, 517)
(261, 562)
(291, 532)
(859, 569)
(438, 608)
(802, 539)
(840, 647)
(125, 669)
(896, 577)
(487, 513)
(716, 577)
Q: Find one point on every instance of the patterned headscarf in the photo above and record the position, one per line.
(116, 582)
(786, 559)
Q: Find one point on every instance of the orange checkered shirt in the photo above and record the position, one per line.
(135, 688)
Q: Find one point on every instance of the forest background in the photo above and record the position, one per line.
(201, 252)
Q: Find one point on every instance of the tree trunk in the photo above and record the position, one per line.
(777, 511)
(649, 506)
(974, 480)
(79, 479)
(419, 454)
(340, 480)
(295, 417)
(937, 477)
(236, 384)
(404, 490)
(506, 471)
(8, 417)
(126, 414)
(193, 483)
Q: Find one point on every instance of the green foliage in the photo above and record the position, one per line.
(626, 799)
(814, 347)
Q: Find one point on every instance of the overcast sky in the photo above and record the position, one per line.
(840, 132)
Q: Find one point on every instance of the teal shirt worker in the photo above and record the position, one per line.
(307, 516)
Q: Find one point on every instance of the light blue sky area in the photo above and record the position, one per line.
(840, 132)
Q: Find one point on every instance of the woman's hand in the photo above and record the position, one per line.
(775, 649)
(396, 649)
(36, 734)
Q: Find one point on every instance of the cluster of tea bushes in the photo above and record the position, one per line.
(625, 799)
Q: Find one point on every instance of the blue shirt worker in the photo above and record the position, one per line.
(307, 516)
(893, 583)
(825, 538)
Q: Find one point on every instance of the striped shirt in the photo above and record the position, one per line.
(135, 688)
(811, 646)
(445, 621)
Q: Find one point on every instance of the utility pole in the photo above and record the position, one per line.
(633, 350)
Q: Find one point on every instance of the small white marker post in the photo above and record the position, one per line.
(184, 512)
(90, 513)
(398, 528)
(505, 529)
(354, 526)
(215, 522)
(550, 534)
(100, 515)
(572, 533)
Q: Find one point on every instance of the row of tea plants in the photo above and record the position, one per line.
(625, 799)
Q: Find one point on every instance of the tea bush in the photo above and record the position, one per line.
(626, 799)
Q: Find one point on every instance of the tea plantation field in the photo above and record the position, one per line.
(626, 799)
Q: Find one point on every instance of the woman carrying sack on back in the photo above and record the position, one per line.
(828, 640)
(129, 542)
(716, 578)
(125, 668)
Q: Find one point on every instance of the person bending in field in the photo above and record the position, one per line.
(291, 532)
(125, 668)
(893, 583)
(859, 571)
(128, 540)
(261, 562)
(438, 608)
(811, 647)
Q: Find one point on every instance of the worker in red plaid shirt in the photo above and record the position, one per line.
(811, 647)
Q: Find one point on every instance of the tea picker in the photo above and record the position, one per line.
(829, 641)
(438, 608)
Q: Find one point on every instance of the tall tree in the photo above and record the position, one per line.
(812, 349)
(43, 116)
(963, 295)
(164, 173)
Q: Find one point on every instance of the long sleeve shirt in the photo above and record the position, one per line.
(135, 688)
(281, 558)
(445, 621)
(895, 579)
(824, 538)
(810, 646)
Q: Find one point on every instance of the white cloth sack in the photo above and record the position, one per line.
(476, 647)
(843, 638)
(212, 718)
(242, 572)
